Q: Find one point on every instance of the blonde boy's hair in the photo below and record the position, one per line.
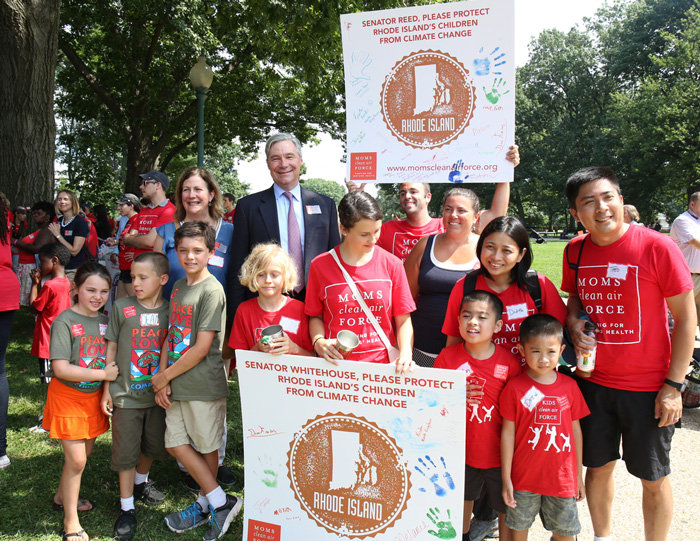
(260, 258)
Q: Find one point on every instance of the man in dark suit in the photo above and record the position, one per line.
(265, 217)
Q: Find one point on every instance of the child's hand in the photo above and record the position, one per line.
(36, 277)
(508, 497)
(159, 381)
(326, 349)
(580, 490)
(106, 404)
(474, 393)
(281, 345)
(111, 371)
(162, 396)
(404, 365)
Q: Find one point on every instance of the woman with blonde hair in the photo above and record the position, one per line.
(71, 230)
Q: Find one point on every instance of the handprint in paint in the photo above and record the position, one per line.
(436, 477)
(445, 529)
(485, 65)
(496, 90)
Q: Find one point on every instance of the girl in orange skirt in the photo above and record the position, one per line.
(72, 413)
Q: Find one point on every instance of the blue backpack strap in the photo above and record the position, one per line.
(534, 289)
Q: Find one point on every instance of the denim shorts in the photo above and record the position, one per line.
(559, 514)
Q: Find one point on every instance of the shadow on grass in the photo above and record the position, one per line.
(28, 485)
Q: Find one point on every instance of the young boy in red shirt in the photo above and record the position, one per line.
(541, 443)
(488, 368)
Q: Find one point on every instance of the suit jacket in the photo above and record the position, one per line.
(255, 221)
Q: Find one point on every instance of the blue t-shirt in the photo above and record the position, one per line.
(218, 265)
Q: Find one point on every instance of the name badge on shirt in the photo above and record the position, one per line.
(103, 328)
(466, 368)
(313, 209)
(77, 329)
(290, 325)
(617, 271)
(217, 261)
(68, 233)
(129, 311)
(219, 247)
(517, 311)
(500, 371)
(532, 398)
(150, 320)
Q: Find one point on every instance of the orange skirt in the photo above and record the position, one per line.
(70, 414)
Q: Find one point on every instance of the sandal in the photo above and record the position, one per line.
(82, 503)
(80, 535)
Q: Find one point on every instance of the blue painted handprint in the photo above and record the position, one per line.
(484, 66)
(435, 477)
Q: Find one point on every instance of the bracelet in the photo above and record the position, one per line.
(317, 339)
(58, 236)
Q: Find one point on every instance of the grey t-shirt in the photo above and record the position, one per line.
(139, 333)
(80, 340)
(200, 307)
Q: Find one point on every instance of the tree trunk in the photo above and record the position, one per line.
(517, 200)
(29, 41)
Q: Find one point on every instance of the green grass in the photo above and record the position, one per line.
(547, 260)
(28, 485)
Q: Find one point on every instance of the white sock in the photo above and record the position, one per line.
(607, 538)
(140, 478)
(217, 497)
(127, 503)
(203, 502)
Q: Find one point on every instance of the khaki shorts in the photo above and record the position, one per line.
(136, 431)
(196, 422)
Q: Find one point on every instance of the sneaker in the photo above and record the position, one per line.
(148, 494)
(38, 429)
(190, 483)
(482, 529)
(220, 519)
(4, 461)
(125, 527)
(226, 477)
(186, 519)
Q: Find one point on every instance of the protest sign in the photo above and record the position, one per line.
(353, 451)
(430, 92)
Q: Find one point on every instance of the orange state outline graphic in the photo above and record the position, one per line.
(381, 488)
(452, 103)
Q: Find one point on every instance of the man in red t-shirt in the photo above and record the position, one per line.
(624, 276)
(159, 211)
(229, 202)
(398, 237)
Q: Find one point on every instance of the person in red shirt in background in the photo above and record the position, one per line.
(159, 211)
(129, 207)
(229, 207)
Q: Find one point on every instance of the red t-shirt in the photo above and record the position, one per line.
(384, 287)
(517, 305)
(27, 258)
(250, 320)
(228, 217)
(125, 264)
(398, 237)
(623, 287)
(483, 420)
(9, 300)
(148, 218)
(544, 456)
(53, 298)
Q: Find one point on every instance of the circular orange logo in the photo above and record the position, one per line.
(428, 99)
(348, 475)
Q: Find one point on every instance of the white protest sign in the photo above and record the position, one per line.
(353, 451)
(430, 92)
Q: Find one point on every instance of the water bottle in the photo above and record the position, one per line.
(586, 363)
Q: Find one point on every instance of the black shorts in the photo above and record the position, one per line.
(627, 415)
(474, 481)
(125, 276)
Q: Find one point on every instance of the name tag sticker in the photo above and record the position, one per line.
(68, 234)
(129, 311)
(217, 261)
(150, 320)
(290, 325)
(221, 248)
(103, 328)
(517, 311)
(466, 368)
(77, 329)
(313, 209)
(617, 271)
(532, 398)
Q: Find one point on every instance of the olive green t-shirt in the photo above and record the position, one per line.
(200, 307)
(81, 340)
(139, 333)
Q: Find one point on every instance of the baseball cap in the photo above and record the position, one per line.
(157, 176)
(129, 199)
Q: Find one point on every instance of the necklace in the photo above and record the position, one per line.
(63, 222)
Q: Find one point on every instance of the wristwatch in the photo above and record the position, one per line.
(675, 385)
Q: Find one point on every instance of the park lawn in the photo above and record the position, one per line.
(28, 485)
(547, 259)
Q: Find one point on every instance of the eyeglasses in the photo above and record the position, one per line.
(144, 182)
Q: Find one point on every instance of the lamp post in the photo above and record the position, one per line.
(201, 77)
